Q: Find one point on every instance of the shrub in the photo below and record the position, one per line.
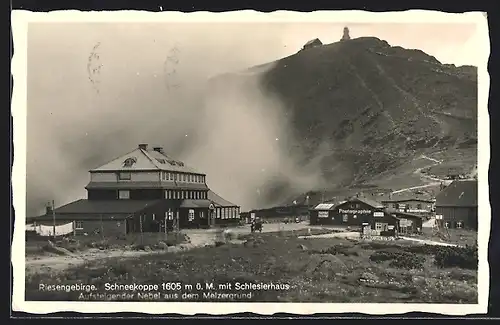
(408, 261)
(335, 250)
(399, 259)
(385, 255)
(462, 257)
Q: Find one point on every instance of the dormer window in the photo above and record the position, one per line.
(129, 162)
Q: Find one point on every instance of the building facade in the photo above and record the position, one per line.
(456, 205)
(408, 223)
(312, 43)
(353, 212)
(279, 214)
(144, 190)
(410, 203)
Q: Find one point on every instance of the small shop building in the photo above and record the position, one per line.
(352, 212)
(408, 223)
(414, 203)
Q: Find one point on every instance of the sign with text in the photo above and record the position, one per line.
(378, 214)
(322, 214)
(405, 223)
(354, 211)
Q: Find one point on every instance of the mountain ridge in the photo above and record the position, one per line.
(369, 107)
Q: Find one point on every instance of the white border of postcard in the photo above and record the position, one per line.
(20, 21)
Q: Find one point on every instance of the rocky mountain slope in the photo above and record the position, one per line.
(370, 108)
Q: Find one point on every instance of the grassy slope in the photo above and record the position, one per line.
(285, 258)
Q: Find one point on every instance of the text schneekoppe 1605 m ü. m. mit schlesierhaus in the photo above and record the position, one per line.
(170, 291)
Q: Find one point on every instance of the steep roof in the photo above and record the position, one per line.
(313, 41)
(462, 193)
(218, 200)
(404, 196)
(402, 213)
(195, 203)
(97, 207)
(324, 206)
(144, 159)
(368, 201)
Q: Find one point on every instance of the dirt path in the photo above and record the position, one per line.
(429, 242)
(433, 180)
(198, 238)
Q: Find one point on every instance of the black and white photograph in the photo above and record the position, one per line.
(320, 162)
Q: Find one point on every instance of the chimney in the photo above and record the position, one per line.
(158, 149)
(143, 146)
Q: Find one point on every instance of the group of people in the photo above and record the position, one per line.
(256, 225)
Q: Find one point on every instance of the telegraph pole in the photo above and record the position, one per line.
(53, 219)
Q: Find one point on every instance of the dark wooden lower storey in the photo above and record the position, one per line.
(151, 221)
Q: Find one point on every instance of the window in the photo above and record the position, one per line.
(197, 195)
(446, 225)
(124, 176)
(460, 224)
(378, 226)
(196, 179)
(354, 216)
(169, 215)
(183, 178)
(182, 195)
(218, 213)
(124, 194)
(230, 213)
(191, 215)
(395, 205)
(78, 224)
(345, 218)
(170, 176)
(202, 214)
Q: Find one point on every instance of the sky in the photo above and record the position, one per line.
(151, 88)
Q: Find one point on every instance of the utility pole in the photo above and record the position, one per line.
(140, 224)
(102, 227)
(53, 219)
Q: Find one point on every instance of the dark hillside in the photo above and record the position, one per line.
(375, 107)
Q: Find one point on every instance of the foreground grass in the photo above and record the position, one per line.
(146, 241)
(316, 270)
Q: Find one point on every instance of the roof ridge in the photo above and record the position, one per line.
(145, 153)
(62, 206)
(107, 162)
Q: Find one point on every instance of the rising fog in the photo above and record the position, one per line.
(152, 88)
